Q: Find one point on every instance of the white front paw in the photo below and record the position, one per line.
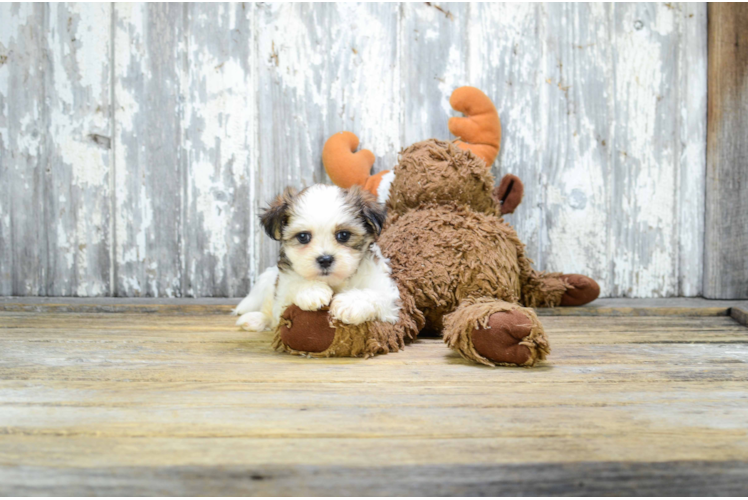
(352, 309)
(314, 298)
(253, 322)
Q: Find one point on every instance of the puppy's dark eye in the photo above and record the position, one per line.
(304, 238)
(343, 236)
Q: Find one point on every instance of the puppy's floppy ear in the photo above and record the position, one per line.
(275, 216)
(375, 214)
(372, 213)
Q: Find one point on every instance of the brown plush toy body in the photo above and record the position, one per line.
(461, 270)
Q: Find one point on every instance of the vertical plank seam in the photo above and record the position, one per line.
(400, 82)
(13, 267)
(677, 146)
(704, 246)
(467, 61)
(541, 16)
(612, 152)
(113, 172)
(707, 272)
(44, 153)
(254, 261)
(182, 153)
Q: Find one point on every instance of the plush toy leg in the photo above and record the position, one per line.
(541, 289)
(582, 290)
(312, 333)
(494, 332)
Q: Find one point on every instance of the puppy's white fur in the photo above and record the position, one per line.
(357, 286)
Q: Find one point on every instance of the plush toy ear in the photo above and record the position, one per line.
(275, 216)
(480, 129)
(371, 211)
(508, 194)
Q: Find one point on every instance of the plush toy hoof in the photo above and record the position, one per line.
(585, 290)
(500, 342)
(306, 331)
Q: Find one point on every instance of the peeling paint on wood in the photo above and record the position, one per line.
(220, 149)
(323, 68)
(139, 141)
(55, 94)
(150, 165)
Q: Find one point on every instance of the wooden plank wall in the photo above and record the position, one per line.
(726, 238)
(138, 141)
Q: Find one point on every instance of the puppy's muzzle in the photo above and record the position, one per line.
(325, 261)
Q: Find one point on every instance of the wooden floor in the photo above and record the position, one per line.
(180, 402)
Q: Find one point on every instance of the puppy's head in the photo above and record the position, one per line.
(324, 230)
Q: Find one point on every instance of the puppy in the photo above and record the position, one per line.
(328, 256)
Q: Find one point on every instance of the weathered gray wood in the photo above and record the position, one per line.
(55, 149)
(150, 164)
(572, 106)
(508, 69)
(220, 107)
(433, 62)
(643, 140)
(77, 162)
(740, 314)
(322, 68)
(691, 112)
(726, 238)
(220, 149)
(23, 120)
(601, 307)
(169, 404)
(673, 478)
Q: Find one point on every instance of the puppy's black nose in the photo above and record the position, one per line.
(325, 261)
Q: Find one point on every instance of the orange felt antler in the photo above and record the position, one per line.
(346, 167)
(480, 129)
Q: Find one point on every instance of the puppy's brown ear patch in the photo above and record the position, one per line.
(372, 213)
(508, 194)
(275, 216)
(375, 214)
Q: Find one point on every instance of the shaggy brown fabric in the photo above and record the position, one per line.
(436, 171)
(443, 254)
(581, 290)
(541, 289)
(495, 332)
(459, 267)
(458, 261)
(365, 340)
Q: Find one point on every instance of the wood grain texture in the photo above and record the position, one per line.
(164, 403)
(220, 148)
(508, 69)
(56, 156)
(322, 68)
(690, 307)
(726, 239)
(149, 64)
(579, 87)
(740, 314)
(434, 62)
(675, 478)
(217, 108)
(23, 259)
